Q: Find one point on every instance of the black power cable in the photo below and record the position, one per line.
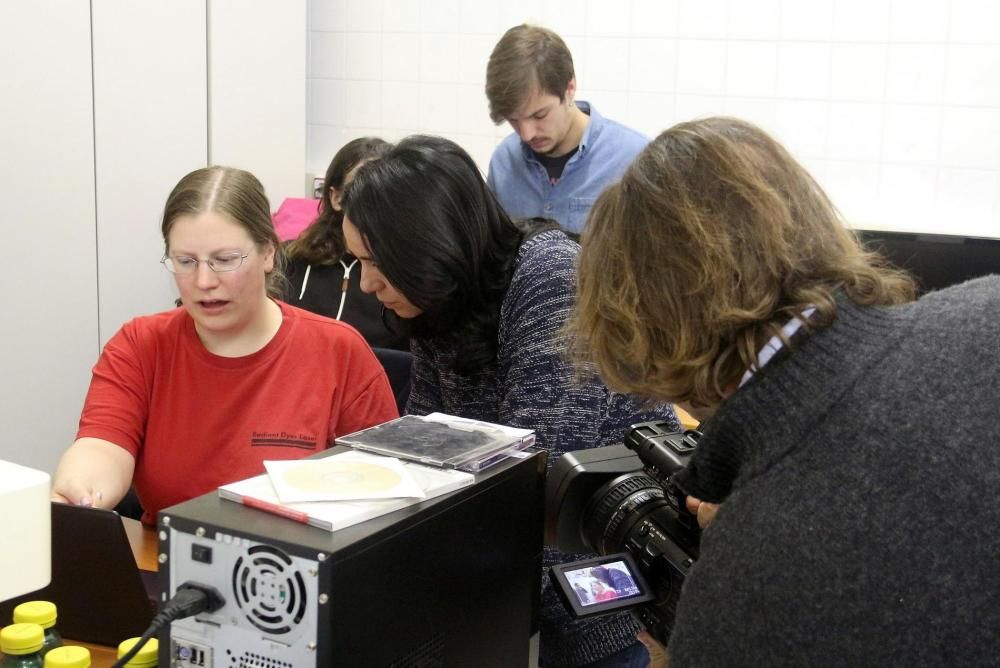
(190, 599)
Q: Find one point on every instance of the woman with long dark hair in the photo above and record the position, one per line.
(322, 276)
(485, 300)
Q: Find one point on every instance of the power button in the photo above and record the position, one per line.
(202, 553)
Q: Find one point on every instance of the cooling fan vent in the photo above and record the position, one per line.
(271, 593)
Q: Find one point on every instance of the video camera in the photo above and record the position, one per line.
(618, 501)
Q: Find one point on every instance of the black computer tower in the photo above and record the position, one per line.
(452, 581)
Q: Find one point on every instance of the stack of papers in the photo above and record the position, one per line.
(344, 489)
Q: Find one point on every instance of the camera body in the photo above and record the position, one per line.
(618, 501)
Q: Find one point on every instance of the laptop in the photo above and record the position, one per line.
(101, 595)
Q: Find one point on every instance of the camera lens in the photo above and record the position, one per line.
(617, 507)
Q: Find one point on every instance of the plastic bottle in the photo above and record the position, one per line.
(44, 614)
(147, 657)
(21, 645)
(69, 656)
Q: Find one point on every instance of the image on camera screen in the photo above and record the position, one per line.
(597, 586)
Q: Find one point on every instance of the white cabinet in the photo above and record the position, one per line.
(150, 128)
(104, 106)
(49, 333)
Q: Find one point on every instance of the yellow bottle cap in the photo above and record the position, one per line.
(147, 656)
(42, 613)
(18, 639)
(68, 657)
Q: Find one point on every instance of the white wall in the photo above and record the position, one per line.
(49, 337)
(151, 128)
(894, 105)
(106, 105)
(257, 110)
(178, 85)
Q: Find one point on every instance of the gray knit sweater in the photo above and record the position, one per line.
(859, 473)
(532, 385)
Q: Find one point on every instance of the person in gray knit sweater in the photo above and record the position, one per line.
(484, 300)
(851, 449)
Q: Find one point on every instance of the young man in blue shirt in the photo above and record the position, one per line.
(562, 153)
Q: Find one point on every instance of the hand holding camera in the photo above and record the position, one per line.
(702, 510)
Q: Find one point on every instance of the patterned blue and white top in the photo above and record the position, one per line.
(533, 384)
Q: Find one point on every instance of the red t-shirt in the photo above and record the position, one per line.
(194, 420)
(606, 595)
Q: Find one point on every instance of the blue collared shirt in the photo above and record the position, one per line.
(523, 187)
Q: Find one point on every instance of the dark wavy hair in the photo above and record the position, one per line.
(323, 241)
(439, 236)
(711, 241)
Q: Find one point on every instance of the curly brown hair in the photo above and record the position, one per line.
(322, 243)
(713, 239)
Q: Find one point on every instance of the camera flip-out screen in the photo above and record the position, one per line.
(600, 585)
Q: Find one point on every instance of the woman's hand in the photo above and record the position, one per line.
(703, 510)
(77, 493)
(93, 472)
(657, 652)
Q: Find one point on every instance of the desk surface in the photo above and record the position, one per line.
(144, 545)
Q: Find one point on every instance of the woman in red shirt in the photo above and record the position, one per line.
(189, 399)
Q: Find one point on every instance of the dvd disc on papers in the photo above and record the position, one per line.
(351, 475)
(442, 440)
(259, 492)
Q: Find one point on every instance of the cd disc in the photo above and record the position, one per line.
(343, 477)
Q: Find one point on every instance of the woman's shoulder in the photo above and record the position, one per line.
(147, 333)
(545, 252)
(328, 346)
(977, 292)
(544, 277)
(157, 324)
(549, 238)
(973, 303)
(316, 326)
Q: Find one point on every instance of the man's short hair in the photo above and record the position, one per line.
(527, 58)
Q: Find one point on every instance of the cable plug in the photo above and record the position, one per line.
(191, 598)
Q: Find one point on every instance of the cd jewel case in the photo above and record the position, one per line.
(442, 440)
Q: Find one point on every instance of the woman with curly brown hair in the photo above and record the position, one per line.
(323, 277)
(849, 527)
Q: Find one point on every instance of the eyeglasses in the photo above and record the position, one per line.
(185, 264)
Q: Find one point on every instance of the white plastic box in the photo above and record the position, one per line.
(26, 530)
